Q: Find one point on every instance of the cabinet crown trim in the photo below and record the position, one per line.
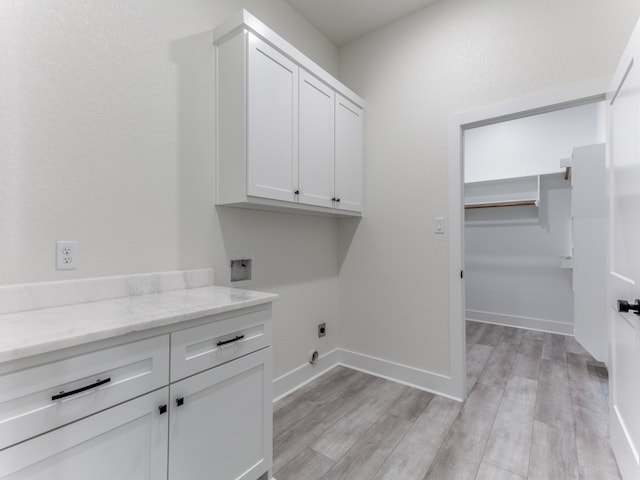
(243, 19)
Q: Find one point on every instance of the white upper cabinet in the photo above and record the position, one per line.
(348, 155)
(289, 135)
(316, 135)
(272, 123)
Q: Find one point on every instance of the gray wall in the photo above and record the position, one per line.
(107, 137)
(453, 56)
(512, 261)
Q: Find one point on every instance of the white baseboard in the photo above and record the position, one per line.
(625, 453)
(296, 378)
(540, 324)
(422, 379)
(414, 377)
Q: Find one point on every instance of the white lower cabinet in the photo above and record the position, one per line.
(221, 421)
(40, 398)
(115, 414)
(128, 441)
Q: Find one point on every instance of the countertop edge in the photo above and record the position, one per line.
(136, 324)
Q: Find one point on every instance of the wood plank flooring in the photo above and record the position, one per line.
(537, 409)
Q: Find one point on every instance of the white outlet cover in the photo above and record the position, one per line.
(66, 255)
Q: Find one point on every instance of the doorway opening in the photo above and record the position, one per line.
(478, 125)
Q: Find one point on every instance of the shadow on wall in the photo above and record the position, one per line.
(347, 228)
(289, 248)
(194, 58)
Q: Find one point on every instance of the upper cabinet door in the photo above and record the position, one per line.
(272, 123)
(348, 155)
(316, 154)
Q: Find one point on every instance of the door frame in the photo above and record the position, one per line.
(548, 101)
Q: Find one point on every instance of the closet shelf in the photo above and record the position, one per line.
(504, 192)
(521, 203)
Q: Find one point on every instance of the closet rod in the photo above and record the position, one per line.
(521, 203)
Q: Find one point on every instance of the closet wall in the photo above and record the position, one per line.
(513, 255)
(530, 145)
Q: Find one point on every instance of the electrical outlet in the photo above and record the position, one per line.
(66, 255)
(322, 329)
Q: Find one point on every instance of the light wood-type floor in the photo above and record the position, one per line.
(537, 410)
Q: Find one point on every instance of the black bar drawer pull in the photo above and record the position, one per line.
(81, 389)
(226, 342)
(625, 306)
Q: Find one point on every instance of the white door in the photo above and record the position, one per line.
(589, 219)
(221, 421)
(624, 277)
(272, 123)
(348, 164)
(126, 442)
(316, 155)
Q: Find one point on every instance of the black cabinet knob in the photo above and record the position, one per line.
(333, 199)
(338, 200)
(624, 306)
(179, 401)
(297, 192)
(162, 409)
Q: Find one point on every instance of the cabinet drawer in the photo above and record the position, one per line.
(196, 349)
(128, 441)
(37, 399)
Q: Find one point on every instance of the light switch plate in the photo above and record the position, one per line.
(438, 226)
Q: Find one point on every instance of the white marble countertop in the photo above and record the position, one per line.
(33, 332)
